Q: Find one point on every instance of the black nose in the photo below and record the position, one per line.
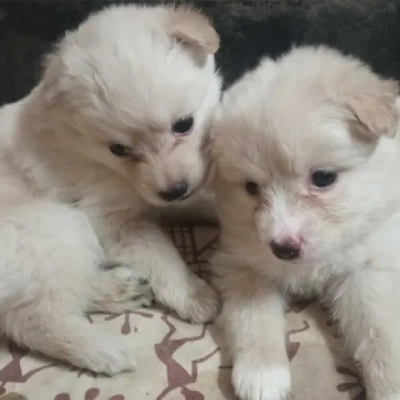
(174, 192)
(285, 250)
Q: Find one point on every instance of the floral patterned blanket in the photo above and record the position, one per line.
(179, 361)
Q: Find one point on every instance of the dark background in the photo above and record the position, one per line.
(369, 29)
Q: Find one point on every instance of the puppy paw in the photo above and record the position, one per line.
(203, 303)
(266, 382)
(111, 357)
(134, 292)
(119, 290)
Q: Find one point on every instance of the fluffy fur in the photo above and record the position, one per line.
(69, 206)
(313, 109)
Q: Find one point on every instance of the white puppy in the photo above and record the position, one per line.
(309, 204)
(118, 125)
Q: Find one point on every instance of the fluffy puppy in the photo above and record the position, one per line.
(306, 154)
(117, 127)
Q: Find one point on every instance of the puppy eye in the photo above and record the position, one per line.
(119, 150)
(322, 178)
(182, 126)
(252, 188)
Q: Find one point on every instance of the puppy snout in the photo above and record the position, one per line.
(175, 192)
(287, 249)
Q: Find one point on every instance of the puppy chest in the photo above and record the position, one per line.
(302, 283)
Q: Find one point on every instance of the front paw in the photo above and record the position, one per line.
(202, 305)
(119, 290)
(131, 292)
(253, 381)
(110, 357)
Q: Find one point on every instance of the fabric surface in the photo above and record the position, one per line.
(180, 361)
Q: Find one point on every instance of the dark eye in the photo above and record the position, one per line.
(119, 150)
(183, 125)
(323, 178)
(252, 188)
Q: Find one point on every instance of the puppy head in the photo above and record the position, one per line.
(136, 89)
(303, 154)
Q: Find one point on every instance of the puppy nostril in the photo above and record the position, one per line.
(285, 250)
(175, 192)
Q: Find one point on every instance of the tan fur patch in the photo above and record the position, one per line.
(371, 99)
(195, 29)
(376, 111)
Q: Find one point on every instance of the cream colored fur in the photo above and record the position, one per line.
(312, 109)
(77, 229)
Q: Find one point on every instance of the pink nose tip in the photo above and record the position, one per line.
(286, 249)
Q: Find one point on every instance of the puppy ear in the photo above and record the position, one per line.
(56, 79)
(195, 31)
(373, 106)
(60, 76)
(50, 85)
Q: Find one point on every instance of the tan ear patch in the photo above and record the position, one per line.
(193, 29)
(375, 109)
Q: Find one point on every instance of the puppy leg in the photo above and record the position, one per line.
(118, 290)
(49, 260)
(70, 338)
(254, 322)
(145, 248)
(367, 306)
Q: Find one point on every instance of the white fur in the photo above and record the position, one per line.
(311, 109)
(253, 381)
(69, 206)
